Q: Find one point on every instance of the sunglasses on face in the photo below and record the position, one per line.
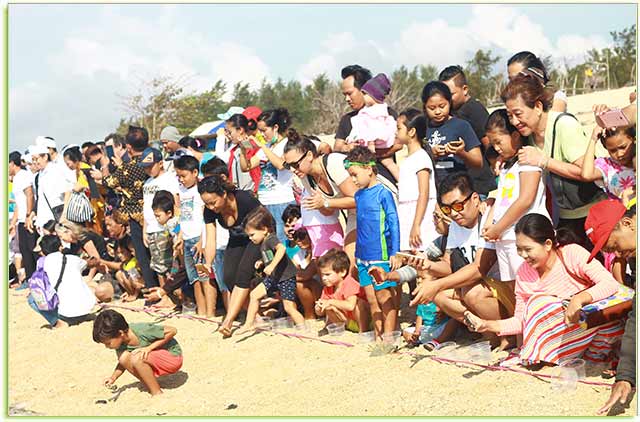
(456, 206)
(296, 164)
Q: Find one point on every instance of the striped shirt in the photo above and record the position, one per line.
(559, 283)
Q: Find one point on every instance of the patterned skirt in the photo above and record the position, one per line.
(546, 338)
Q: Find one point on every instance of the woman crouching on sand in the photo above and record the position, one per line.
(553, 273)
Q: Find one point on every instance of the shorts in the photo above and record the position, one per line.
(161, 251)
(287, 288)
(502, 292)
(352, 325)
(189, 262)
(367, 280)
(508, 259)
(163, 362)
(218, 270)
(324, 237)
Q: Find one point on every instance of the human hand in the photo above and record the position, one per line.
(96, 174)
(497, 166)
(572, 312)
(29, 224)
(530, 156)
(438, 151)
(198, 251)
(415, 241)
(145, 239)
(619, 393)
(108, 381)
(144, 351)
(395, 262)
(269, 269)
(155, 293)
(12, 230)
(455, 147)
(627, 195)
(598, 109)
(314, 201)
(490, 233)
(424, 293)
(259, 264)
(116, 160)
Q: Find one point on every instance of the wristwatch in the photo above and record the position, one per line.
(325, 203)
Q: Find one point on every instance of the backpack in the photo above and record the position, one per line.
(44, 295)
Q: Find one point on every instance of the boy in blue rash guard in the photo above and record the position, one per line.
(377, 237)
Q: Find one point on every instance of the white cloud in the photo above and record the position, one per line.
(501, 28)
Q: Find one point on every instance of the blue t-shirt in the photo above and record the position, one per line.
(450, 131)
(205, 157)
(377, 228)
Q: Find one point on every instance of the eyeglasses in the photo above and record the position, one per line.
(456, 206)
(296, 164)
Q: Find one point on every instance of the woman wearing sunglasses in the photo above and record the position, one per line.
(329, 188)
(474, 282)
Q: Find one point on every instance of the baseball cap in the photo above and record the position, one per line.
(149, 157)
(45, 141)
(232, 110)
(27, 158)
(252, 112)
(601, 221)
(170, 133)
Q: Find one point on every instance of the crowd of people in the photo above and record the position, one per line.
(505, 224)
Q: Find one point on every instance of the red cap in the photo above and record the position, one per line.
(252, 112)
(601, 221)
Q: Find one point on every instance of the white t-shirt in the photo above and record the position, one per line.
(509, 191)
(22, 180)
(275, 185)
(76, 298)
(315, 217)
(408, 183)
(53, 183)
(165, 181)
(191, 209)
(469, 241)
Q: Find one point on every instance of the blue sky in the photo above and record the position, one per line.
(67, 62)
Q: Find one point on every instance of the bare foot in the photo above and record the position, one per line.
(127, 297)
(61, 324)
(165, 302)
(245, 329)
(225, 331)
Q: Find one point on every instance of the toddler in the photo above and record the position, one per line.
(279, 271)
(373, 126)
(129, 275)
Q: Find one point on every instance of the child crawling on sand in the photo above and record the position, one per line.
(145, 350)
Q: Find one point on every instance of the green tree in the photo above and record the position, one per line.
(242, 96)
(482, 84)
(195, 109)
(406, 86)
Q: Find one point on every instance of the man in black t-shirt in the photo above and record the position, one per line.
(353, 78)
(467, 108)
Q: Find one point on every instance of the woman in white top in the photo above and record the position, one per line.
(328, 183)
(275, 190)
(51, 185)
(76, 300)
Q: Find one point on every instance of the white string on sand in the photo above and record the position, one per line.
(152, 311)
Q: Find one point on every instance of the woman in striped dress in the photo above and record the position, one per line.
(553, 273)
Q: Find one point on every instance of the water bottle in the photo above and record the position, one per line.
(428, 333)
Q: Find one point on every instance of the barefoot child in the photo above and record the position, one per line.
(145, 350)
(129, 275)
(377, 237)
(520, 191)
(342, 299)
(279, 271)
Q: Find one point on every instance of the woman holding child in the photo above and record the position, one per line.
(552, 285)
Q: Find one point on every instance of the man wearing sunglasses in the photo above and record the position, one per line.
(474, 281)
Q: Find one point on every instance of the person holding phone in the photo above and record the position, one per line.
(454, 145)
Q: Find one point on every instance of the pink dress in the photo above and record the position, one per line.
(373, 123)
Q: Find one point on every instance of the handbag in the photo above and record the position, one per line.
(612, 308)
(79, 209)
(56, 211)
(572, 194)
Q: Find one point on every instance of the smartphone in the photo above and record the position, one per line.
(145, 290)
(456, 143)
(246, 144)
(109, 149)
(612, 118)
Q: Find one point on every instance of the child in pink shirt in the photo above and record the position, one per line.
(342, 299)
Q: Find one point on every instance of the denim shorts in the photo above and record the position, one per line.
(218, 270)
(189, 262)
(365, 277)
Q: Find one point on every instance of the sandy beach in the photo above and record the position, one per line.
(60, 372)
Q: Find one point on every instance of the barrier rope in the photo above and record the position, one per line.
(155, 312)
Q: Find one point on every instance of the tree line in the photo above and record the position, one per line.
(317, 107)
